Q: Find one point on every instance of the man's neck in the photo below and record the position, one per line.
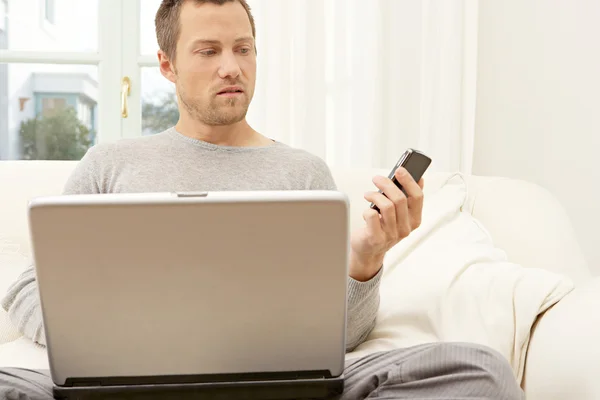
(239, 134)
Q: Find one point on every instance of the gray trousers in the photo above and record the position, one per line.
(449, 371)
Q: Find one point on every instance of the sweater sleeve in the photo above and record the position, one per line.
(22, 304)
(363, 297)
(21, 301)
(363, 304)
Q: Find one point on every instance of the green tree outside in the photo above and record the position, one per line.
(62, 136)
(57, 136)
(159, 115)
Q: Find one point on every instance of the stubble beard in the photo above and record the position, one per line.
(217, 112)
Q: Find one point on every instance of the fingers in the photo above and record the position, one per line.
(373, 220)
(399, 213)
(387, 209)
(395, 196)
(408, 206)
(414, 192)
(412, 188)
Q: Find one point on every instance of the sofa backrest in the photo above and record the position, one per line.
(524, 219)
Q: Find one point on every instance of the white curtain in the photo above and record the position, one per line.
(357, 82)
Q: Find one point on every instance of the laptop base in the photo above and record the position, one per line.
(263, 390)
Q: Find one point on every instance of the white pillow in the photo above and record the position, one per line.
(447, 282)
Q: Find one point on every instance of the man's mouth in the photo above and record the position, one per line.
(230, 91)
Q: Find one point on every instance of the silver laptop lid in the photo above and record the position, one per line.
(168, 285)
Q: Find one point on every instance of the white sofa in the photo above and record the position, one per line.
(563, 360)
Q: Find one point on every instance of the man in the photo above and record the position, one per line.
(207, 49)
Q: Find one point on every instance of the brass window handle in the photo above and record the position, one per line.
(125, 92)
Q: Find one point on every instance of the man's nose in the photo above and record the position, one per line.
(229, 66)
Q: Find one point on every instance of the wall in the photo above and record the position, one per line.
(538, 105)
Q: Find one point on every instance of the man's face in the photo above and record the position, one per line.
(215, 65)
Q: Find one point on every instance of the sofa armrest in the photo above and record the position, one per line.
(563, 360)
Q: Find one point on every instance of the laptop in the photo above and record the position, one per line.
(233, 294)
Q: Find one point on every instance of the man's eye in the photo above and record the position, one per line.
(208, 52)
(245, 50)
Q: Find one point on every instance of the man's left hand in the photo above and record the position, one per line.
(399, 215)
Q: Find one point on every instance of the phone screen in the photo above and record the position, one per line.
(416, 164)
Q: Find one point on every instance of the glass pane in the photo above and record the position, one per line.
(159, 102)
(47, 112)
(49, 25)
(148, 43)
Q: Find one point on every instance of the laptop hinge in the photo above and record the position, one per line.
(195, 379)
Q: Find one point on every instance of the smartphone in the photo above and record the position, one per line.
(415, 162)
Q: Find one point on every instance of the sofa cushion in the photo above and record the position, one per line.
(23, 353)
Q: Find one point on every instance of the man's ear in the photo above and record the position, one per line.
(167, 68)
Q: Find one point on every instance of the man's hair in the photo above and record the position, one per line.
(168, 26)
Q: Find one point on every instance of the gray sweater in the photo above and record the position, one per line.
(170, 161)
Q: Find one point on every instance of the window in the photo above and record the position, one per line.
(3, 9)
(39, 91)
(49, 11)
(52, 105)
(84, 112)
